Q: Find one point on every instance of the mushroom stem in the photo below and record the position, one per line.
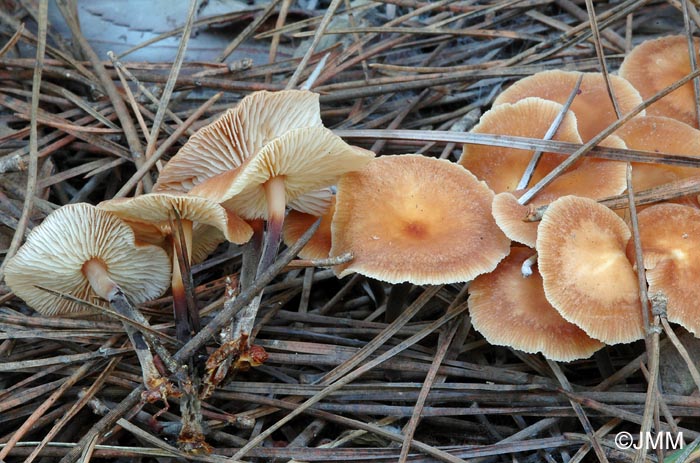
(276, 204)
(185, 322)
(97, 274)
(249, 268)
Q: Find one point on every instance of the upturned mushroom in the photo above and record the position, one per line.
(411, 218)
(90, 254)
(240, 133)
(581, 247)
(511, 310)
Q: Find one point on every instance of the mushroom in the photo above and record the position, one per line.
(237, 135)
(656, 64)
(158, 209)
(511, 310)
(411, 218)
(592, 106)
(300, 161)
(670, 239)
(587, 277)
(90, 254)
(659, 134)
(502, 168)
(296, 224)
(593, 178)
(240, 133)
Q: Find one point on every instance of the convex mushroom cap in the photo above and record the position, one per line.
(593, 178)
(656, 64)
(58, 251)
(411, 218)
(587, 277)
(511, 310)
(663, 135)
(670, 238)
(502, 168)
(592, 106)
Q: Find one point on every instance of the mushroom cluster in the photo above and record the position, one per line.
(584, 282)
(269, 152)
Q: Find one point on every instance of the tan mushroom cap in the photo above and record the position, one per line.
(670, 237)
(157, 208)
(656, 64)
(594, 179)
(592, 106)
(295, 225)
(581, 248)
(416, 219)
(237, 135)
(510, 310)
(502, 168)
(56, 251)
(660, 134)
(307, 159)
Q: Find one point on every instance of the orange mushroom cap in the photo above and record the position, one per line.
(660, 134)
(502, 168)
(295, 225)
(416, 219)
(670, 238)
(511, 310)
(592, 106)
(587, 277)
(656, 64)
(592, 179)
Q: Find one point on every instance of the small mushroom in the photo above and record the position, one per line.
(502, 168)
(90, 254)
(670, 238)
(656, 64)
(158, 209)
(298, 162)
(593, 178)
(587, 277)
(411, 218)
(296, 224)
(237, 135)
(659, 134)
(592, 106)
(511, 310)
